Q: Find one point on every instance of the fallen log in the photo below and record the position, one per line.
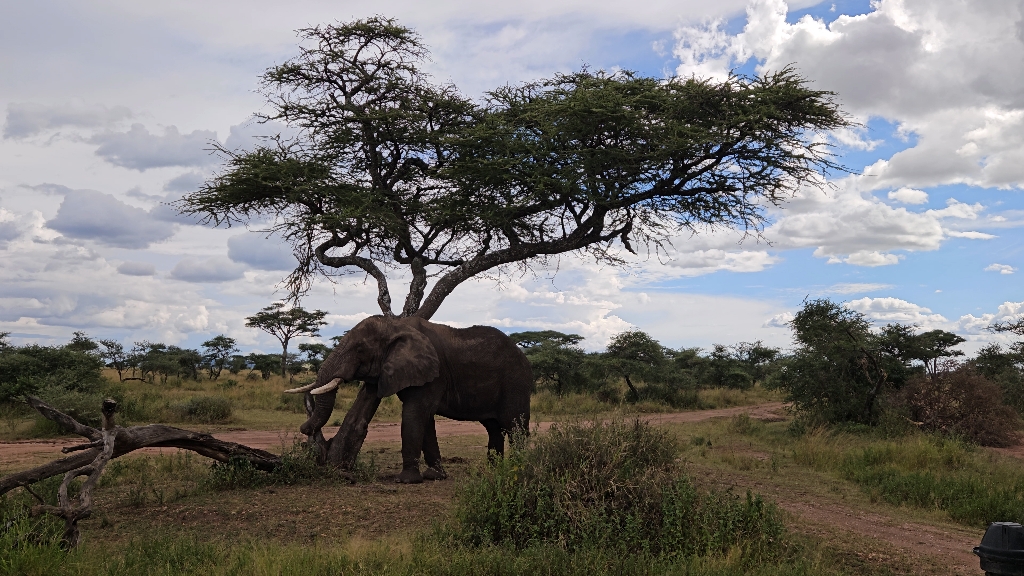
(125, 440)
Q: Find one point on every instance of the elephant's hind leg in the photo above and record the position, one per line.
(495, 438)
(432, 453)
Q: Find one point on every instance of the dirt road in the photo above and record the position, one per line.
(20, 454)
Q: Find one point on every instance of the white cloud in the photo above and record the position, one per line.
(779, 320)
(893, 310)
(909, 196)
(91, 215)
(872, 258)
(216, 269)
(936, 67)
(1001, 268)
(139, 150)
(707, 261)
(978, 325)
(25, 119)
(136, 269)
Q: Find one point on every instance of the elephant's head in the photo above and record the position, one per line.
(387, 353)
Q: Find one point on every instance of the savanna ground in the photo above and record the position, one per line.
(859, 501)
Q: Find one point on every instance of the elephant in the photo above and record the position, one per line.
(474, 373)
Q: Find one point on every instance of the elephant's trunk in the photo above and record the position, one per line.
(323, 406)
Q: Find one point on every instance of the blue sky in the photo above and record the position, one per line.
(108, 107)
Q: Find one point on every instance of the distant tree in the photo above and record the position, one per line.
(757, 359)
(336, 340)
(635, 354)
(391, 170)
(190, 361)
(286, 323)
(556, 358)
(723, 369)
(1013, 327)
(81, 343)
(114, 355)
(5, 340)
(1005, 367)
(265, 364)
(217, 353)
(314, 353)
(237, 363)
(839, 367)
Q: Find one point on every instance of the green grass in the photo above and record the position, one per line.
(160, 555)
(972, 485)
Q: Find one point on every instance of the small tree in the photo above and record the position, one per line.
(81, 343)
(285, 324)
(556, 358)
(314, 353)
(114, 355)
(265, 364)
(635, 353)
(217, 353)
(836, 371)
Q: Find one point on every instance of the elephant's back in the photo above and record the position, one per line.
(492, 346)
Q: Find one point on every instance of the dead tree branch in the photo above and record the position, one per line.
(120, 441)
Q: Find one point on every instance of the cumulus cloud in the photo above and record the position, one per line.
(136, 269)
(701, 262)
(852, 226)
(215, 269)
(260, 252)
(937, 68)
(25, 119)
(893, 310)
(139, 150)
(869, 258)
(909, 196)
(779, 320)
(91, 215)
(978, 325)
(1001, 268)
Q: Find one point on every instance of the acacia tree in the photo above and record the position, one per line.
(285, 324)
(635, 353)
(217, 353)
(390, 170)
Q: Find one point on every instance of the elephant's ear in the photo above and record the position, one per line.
(411, 361)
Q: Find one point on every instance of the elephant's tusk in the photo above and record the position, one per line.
(327, 387)
(309, 387)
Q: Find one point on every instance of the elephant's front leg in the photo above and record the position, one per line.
(432, 453)
(414, 424)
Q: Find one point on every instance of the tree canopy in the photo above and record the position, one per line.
(389, 170)
(287, 323)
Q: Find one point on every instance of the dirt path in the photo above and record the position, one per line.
(29, 451)
(947, 550)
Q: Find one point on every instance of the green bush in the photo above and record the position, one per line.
(608, 486)
(203, 410)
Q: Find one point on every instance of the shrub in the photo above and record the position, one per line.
(608, 486)
(203, 410)
(962, 402)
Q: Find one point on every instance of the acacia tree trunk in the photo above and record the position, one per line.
(284, 357)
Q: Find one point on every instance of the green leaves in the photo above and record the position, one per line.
(389, 169)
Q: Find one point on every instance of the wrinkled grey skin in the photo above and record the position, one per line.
(475, 373)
